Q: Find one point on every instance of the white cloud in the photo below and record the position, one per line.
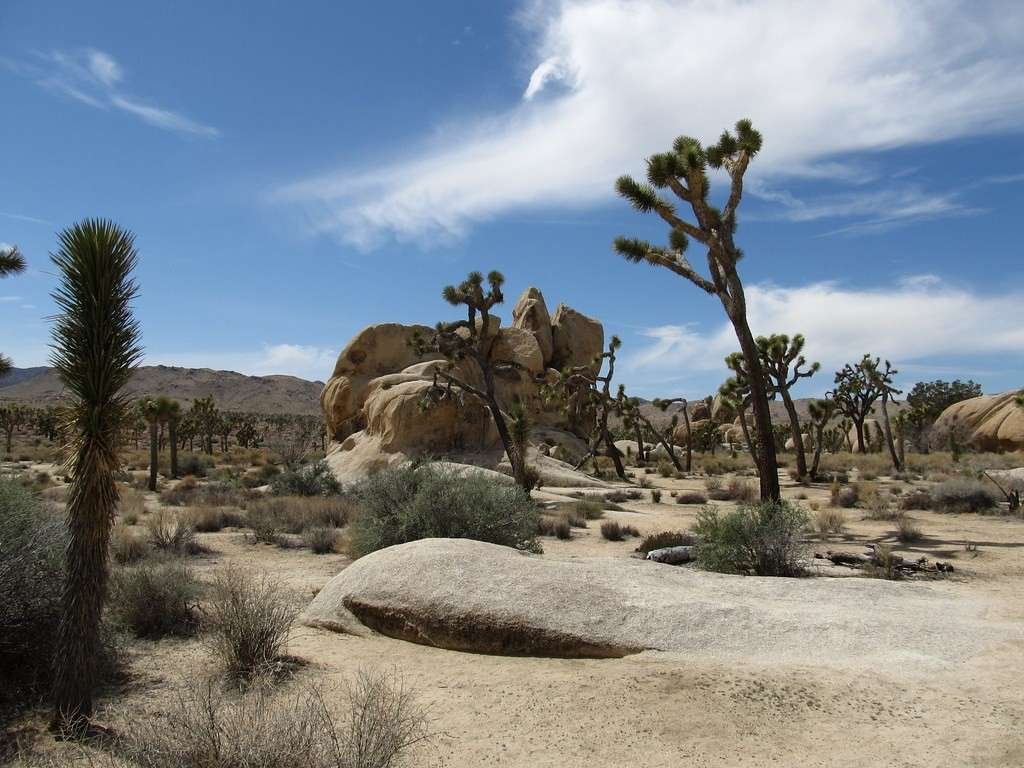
(92, 77)
(919, 318)
(820, 78)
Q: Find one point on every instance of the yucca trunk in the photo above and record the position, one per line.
(154, 455)
(172, 430)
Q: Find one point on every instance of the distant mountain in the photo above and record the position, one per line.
(230, 390)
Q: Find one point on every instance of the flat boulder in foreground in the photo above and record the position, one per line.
(470, 596)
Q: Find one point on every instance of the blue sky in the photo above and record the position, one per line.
(295, 171)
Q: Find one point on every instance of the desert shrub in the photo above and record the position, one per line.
(213, 519)
(172, 533)
(656, 497)
(321, 539)
(907, 530)
(31, 576)
(762, 538)
(249, 621)
(691, 497)
(878, 503)
(208, 727)
(846, 497)
(962, 494)
(294, 514)
(557, 527)
(665, 468)
(314, 480)
(619, 496)
(741, 490)
(916, 499)
(154, 600)
(829, 520)
(188, 493)
(666, 539)
(712, 483)
(194, 464)
(130, 506)
(614, 531)
(887, 562)
(588, 509)
(127, 547)
(408, 503)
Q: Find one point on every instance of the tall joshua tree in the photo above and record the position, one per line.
(785, 366)
(683, 170)
(170, 413)
(470, 341)
(149, 409)
(95, 349)
(883, 374)
(857, 389)
(821, 412)
(663, 404)
(11, 262)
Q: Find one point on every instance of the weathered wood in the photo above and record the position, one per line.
(896, 562)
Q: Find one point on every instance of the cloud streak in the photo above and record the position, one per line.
(93, 77)
(920, 318)
(821, 78)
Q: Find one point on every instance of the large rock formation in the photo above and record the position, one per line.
(484, 598)
(374, 403)
(988, 423)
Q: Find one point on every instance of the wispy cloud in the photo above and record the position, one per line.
(94, 78)
(822, 79)
(920, 317)
(23, 217)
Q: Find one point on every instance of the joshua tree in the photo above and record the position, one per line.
(149, 409)
(735, 393)
(883, 378)
(11, 417)
(821, 412)
(205, 418)
(470, 341)
(683, 170)
(95, 349)
(170, 414)
(855, 393)
(663, 404)
(11, 262)
(785, 366)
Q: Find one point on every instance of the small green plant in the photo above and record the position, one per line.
(314, 480)
(762, 538)
(154, 600)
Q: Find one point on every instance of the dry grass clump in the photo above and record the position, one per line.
(907, 530)
(916, 499)
(249, 621)
(557, 527)
(691, 497)
(213, 519)
(619, 496)
(666, 539)
(844, 497)
(614, 531)
(131, 506)
(829, 521)
(272, 517)
(588, 509)
(154, 600)
(734, 489)
(127, 547)
(656, 497)
(172, 533)
(190, 493)
(665, 468)
(878, 503)
(208, 727)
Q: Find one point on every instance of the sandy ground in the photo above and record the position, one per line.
(663, 709)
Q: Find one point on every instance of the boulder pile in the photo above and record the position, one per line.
(373, 404)
(988, 423)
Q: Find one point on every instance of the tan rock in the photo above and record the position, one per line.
(988, 423)
(531, 314)
(577, 339)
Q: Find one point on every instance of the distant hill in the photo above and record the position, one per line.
(230, 390)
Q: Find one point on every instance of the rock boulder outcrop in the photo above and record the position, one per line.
(988, 423)
(577, 339)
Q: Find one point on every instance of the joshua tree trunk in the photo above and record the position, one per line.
(172, 429)
(154, 455)
(689, 439)
(746, 436)
(798, 438)
(896, 463)
(641, 454)
(862, 446)
(819, 434)
(764, 457)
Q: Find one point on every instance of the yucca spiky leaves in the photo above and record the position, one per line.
(95, 349)
(11, 261)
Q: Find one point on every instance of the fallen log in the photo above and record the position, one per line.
(897, 563)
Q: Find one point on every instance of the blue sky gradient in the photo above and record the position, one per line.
(296, 172)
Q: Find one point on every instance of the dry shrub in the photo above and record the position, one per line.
(712, 483)
(829, 520)
(557, 527)
(213, 519)
(907, 530)
(846, 497)
(321, 539)
(127, 547)
(154, 600)
(619, 496)
(963, 494)
(656, 497)
(587, 509)
(172, 533)
(189, 493)
(665, 468)
(916, 499)
(878, 503)
(249, 620)
(294, 514)
(614, 531)
(691, 497)
(666, 539)
(210, 728)
(131, 506)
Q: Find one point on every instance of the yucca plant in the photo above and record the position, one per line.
(95, 349)
(11, 262)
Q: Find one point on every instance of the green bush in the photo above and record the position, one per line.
(763, 538)
(314, 480)
(962, 494)
(405, 504)
(154, 600)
